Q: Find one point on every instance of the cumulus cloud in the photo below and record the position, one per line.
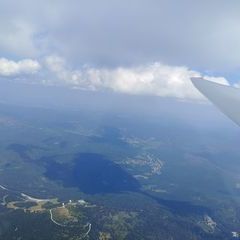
(154, 79)
(151, 79)
(14, 68)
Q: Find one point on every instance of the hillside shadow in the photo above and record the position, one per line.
(180, 207)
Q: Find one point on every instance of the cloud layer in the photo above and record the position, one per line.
(151, 47)
(11, 68)
(155, 79)
(151, 79)
(200, 35)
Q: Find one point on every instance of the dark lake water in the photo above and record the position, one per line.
(92, 173)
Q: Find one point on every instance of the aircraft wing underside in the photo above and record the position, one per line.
(226, 98)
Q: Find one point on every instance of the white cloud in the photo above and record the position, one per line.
(152, 79)
(11, 68)
(56, 64)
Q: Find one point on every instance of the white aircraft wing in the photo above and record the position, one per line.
(226, 98)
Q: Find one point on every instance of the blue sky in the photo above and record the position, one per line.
(135, 47)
